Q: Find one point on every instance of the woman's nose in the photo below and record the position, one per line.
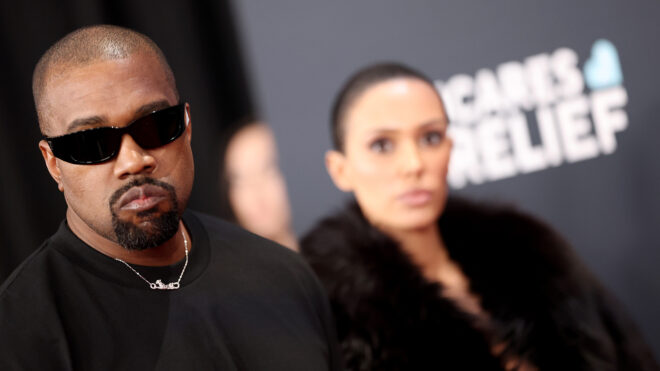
(410, 160)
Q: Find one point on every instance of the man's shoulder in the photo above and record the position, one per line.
(230, 239)
(236, 251)
(33, 267)
(217, 227)
(28, 297)
(29, 318)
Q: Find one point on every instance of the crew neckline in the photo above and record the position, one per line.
(109, 269)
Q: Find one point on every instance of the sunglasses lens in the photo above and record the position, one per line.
(86, 147)
(158, 128)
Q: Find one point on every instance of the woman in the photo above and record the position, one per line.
(253, 189)
(418, 281)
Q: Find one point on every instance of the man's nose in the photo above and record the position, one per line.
(133, 159)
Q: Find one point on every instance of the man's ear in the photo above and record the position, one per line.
(51, 163)
(188, 129)
(335, 163)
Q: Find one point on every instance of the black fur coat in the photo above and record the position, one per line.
(543, 304)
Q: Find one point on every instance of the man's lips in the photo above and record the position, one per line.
(415, 197)
(141, 198)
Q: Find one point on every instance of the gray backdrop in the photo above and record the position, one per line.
(601, 190)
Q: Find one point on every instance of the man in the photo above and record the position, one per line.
(130, 280)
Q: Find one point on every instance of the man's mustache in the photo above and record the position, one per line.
(136, 183)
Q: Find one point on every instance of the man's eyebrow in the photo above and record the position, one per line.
(85, 121)
(95, 120)
(150, 107)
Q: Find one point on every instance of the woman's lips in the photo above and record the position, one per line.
(141, 198)
(416, 197)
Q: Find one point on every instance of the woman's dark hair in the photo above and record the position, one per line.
(357, 84)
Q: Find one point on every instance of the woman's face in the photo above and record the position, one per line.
(257, 191)
(396, 154)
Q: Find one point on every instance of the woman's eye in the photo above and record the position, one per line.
(381, 145)
(432, 138)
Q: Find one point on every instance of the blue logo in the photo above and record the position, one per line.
(603, 69)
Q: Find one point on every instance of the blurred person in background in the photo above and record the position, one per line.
(419, 280)
(252, 183)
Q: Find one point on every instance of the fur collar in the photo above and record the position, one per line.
(543, 304)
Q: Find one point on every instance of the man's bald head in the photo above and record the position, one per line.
(85, 46)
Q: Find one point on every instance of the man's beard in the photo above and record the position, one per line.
(162, 227)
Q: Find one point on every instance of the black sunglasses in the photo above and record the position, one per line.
(93, 146)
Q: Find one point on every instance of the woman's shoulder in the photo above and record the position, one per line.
(340, 223)
(345, 229)
(496, 245)
(343, 245)
(464, 224)
(345, 239)
(510, 253)
(501, 229)
(500, 215)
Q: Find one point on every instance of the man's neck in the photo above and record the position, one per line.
(168, 253)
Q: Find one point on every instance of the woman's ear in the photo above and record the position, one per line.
(335, 163)
(51, 163)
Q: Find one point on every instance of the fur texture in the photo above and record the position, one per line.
(543, 304)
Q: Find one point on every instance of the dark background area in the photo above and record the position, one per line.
(292, 56)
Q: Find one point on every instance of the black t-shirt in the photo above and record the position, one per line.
(244, 304)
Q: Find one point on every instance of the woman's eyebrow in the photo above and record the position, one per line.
(386, 129)
(383, 130)
(433, 122)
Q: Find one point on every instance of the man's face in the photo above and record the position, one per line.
(133, 193)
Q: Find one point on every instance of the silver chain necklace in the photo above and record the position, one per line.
(159, 285)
